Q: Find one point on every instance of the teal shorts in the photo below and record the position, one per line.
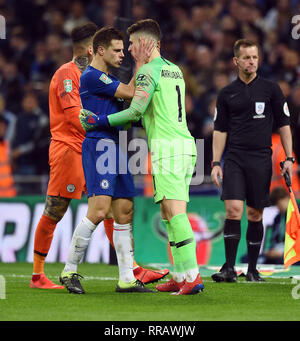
(172, 177)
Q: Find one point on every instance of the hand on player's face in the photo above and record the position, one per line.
(141, 48)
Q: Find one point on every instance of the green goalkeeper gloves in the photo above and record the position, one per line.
(90, 121)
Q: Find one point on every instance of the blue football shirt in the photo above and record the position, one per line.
(97, 90)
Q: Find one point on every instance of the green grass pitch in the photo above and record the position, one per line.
(277, 299)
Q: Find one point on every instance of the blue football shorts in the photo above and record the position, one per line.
(105, 169)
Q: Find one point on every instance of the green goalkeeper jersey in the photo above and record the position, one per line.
(160, 101)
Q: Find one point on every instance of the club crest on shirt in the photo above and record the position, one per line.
(259, 109)
(105, 79)
(71, 188)
(68, 85)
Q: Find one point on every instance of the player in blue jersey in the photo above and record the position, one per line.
(107, 185)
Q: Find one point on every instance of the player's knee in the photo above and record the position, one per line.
(125, 216)
(254, 214)
(96, 216)
(109, 215)
(56, 207)
(234, 212)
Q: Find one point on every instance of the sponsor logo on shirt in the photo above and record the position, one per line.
(105, 79)
(141, 77)
(68, 85)
(142, 82)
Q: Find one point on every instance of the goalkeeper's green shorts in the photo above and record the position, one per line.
(172, 177)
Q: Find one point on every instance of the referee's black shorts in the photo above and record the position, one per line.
(247, 176)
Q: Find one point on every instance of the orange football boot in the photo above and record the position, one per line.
(42, 282)
(170, 286)
(191, 288)
(148, 276)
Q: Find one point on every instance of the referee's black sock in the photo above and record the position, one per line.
(255, 233)
(232, 236)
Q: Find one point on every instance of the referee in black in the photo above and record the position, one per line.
(245, 113)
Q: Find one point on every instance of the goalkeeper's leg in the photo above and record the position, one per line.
(55, 209)
(185, 246)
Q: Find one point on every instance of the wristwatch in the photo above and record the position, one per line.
(215, 163)
(290, 158)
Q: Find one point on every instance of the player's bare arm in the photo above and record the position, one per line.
(286, 140)
(219, 141)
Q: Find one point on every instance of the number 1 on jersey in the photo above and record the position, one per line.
(179, 104)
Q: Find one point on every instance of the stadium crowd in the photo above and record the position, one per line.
(197, 35)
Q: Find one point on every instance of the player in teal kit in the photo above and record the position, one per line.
(159, 100)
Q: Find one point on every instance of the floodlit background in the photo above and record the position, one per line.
(197, 35)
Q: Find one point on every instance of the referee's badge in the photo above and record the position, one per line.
(259, 108)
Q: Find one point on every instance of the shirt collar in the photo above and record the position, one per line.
(252, 82)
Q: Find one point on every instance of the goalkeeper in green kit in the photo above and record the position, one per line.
(159, 100)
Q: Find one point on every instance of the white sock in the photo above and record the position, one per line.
(123, 242)
(178, 276)
(191, 274)
(80, 241)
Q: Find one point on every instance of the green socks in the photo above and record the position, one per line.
(178, 267)
(183, 244)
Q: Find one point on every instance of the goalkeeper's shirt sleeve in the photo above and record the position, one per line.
(145, 85)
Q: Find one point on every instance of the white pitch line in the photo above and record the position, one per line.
(100, 278)
(55, 277)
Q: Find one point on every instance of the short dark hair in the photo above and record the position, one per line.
(83, 32)
(148, 26)
(278, 193)
(242, 43)
(104, 36)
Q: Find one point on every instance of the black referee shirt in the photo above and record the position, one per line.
(247, 112)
